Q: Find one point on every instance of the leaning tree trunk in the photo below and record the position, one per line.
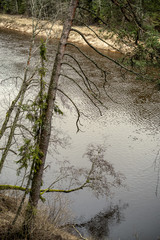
(47, 118)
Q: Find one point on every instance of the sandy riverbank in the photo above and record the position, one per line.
(25, 26)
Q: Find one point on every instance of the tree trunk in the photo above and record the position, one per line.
(46, 125)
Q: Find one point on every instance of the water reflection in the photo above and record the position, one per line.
(98, 227)
(131, 132)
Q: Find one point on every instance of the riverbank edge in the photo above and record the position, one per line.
(24, 25)
(8, 208)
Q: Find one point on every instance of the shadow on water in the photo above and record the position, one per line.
(98, 227)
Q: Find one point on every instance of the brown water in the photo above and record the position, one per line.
(129, 131)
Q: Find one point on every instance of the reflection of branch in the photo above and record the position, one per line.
(57, 180)
(96, 178)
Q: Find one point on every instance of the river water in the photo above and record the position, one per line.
(129, 130)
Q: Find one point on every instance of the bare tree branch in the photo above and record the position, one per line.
(77, 110)
(101, 39)
(87, 57)
(86, 94)
(89, 82)
(10, 150)
(102, 54)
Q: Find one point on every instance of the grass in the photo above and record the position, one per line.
(44, 228)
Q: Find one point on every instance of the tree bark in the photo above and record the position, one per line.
(46, 124)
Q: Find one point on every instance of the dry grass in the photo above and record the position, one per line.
(44, 229)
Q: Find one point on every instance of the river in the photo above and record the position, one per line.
(129, 130)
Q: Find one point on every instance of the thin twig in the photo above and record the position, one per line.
(77, 110)
(85, 93)
(86, 78)
(79, 233)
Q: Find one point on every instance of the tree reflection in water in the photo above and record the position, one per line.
(98, 227)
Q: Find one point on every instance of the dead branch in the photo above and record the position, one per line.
(10, 150)
(79, 233)
(102, 54)
(86, 94)
(77, 110)
(89, 82)
(101, 39)
(87, 57)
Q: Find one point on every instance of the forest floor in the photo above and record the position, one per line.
(24, 25)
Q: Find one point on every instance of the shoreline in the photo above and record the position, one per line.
(23, 25)
(8, 208)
